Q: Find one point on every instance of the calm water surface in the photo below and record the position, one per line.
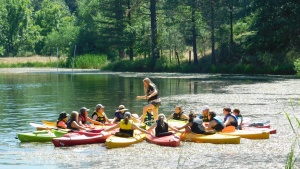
(35, 96)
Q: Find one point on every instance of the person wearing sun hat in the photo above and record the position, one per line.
(119, 114)
(62, 120)
(99, 114)
(84, 117)
(127, 127)
(204, 113)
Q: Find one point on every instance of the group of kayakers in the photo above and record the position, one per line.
(158, 122)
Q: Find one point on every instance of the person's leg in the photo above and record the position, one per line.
(155, 113)
(145, 108)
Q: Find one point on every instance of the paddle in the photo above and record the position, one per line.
(49, 123)
(255, 124)
(47, 127)
(228, 129)
(40, 125)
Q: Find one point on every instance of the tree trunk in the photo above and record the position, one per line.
(231, 26)
(194, 35)
(154, 48)
(129, 22)
(213, 58)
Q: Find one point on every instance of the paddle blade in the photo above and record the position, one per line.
(228, 129)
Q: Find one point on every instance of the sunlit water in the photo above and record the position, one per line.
(35, 96)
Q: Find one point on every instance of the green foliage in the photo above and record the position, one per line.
(87, 61)
(297, 66)
(60, 64)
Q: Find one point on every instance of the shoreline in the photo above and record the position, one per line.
(45, 70)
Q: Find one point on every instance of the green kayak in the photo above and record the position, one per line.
(40, 136)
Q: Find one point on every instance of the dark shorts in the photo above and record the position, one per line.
(156, 104)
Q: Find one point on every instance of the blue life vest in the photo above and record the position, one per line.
(119, 116)
(220, 125)
(233, 123)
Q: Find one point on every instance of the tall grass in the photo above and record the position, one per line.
(291, 158)
(60, 64)
(88, 61)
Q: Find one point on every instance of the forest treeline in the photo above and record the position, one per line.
(226, 36)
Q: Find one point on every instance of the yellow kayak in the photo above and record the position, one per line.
(117, 142)
(248, 134)
(213, 138)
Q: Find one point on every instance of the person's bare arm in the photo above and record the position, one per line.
(112, 128)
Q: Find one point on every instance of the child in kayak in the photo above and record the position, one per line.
(62, 120)
(119, 114)
(84, 118)
(161, 127)
(73, 123)
(204, 113)
(99, 114)
(126, 127)
(195, 125)
(229, 119)
(178, 114)
(215, 123)
(239, 117)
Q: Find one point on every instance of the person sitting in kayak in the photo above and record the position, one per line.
(62, 120)
(149, 119)
(215, 123)
(178, 114)
(239, 117)
(84, 118)
(161, 127)
(204, 113)
(194, 125)
(73, 123)
(126, 127)
(119, 114)
(99, 114)
(229, 119)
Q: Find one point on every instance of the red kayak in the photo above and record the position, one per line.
(272, 131)
(171, 140)
(79, 138)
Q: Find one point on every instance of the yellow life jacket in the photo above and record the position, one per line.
(123, 126)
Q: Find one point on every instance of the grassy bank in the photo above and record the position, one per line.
(163, 64)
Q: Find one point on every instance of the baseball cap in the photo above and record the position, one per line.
(205, 107)
(83, 109)
(99, 106)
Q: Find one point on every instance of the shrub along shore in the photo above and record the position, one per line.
(162, 64)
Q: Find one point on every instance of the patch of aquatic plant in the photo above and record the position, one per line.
(291, 158)
(87, 61)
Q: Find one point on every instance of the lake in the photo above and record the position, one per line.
(34, 95)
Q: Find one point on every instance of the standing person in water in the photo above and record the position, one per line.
(151, 94)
